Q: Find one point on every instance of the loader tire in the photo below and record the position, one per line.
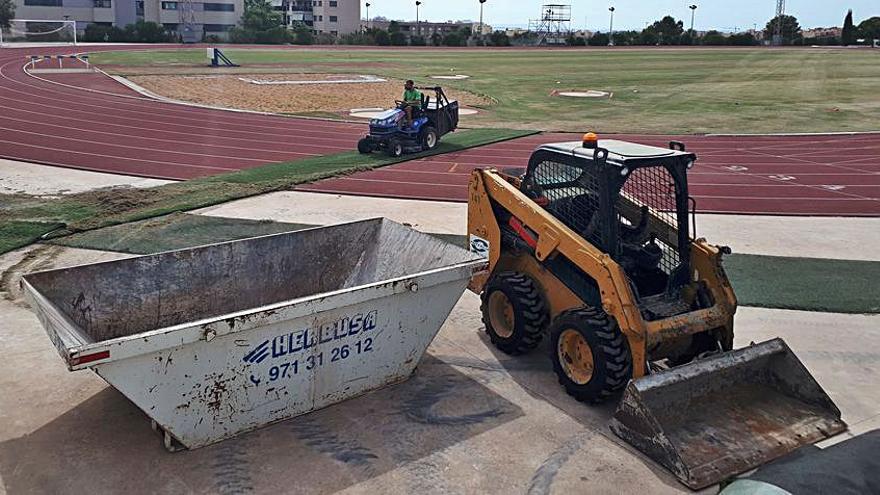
(514, 312)
(590, 355)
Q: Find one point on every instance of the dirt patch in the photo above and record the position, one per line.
(37, 259)
(268, 68)
(229, 91)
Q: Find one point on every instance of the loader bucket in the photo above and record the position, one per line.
(712, 419)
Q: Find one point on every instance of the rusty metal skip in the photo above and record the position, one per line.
(217, 340)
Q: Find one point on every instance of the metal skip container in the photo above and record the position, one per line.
(213, 341)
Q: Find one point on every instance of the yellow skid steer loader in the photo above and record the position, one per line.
(593, 247)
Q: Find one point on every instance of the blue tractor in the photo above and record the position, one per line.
(431, 120)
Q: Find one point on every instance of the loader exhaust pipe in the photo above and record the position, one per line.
(715, 418)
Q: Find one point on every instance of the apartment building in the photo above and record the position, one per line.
(214, 17)
(323, 16)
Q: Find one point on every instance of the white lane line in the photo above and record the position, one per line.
(169, 109)
(55, 137)
(115, 157)
(205, 131)
(129, 136)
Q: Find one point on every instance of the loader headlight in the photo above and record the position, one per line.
(690, 164)
(624, 171)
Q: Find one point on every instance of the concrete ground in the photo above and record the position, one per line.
(471, 420)
(835, 238)
(42, 180)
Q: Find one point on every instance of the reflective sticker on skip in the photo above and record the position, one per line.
(479, 246)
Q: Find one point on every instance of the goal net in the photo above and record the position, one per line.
(27, 32)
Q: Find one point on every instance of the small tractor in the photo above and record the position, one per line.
(594, 248)
(431, 120)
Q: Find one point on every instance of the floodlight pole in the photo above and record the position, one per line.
(481, 18)
(368, 16)
(418, 26)
(693, 14)
(611, 28)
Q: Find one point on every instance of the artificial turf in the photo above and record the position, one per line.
(27, 218)
(807, 284)
(655, 90)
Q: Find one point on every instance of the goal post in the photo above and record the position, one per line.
(38, 31)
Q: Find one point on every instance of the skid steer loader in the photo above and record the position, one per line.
(594, 247)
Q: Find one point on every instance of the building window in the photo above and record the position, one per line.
(103, 4)
(170, 26)
(320, 18)
(218, 28)
(43, 3)
(334, 33)
(219, 7)
(169, 5)
(333, 18)
(334, 3)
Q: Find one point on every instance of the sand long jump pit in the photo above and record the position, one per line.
(290, 93)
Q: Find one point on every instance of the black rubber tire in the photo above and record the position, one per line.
(531, 313)
(423, 138)
(612, 360)
(365, 146)
(395, 148)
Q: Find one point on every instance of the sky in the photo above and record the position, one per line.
(631, 14)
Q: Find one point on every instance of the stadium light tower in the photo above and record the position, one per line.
(611, 28)
(368, 15)
(693, 14)
(481, 18)
(418, 26)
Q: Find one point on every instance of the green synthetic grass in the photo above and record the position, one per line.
(806, 284)
(655, 90)
(14, 235)
(171, 232)
(95, 209)
(811, 284)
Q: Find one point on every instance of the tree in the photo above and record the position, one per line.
(791, 29)
(398, 38)
(848, 34)
(499, 38)
(7, 12)
(742, 39)
(382, 38)
(436, 39)
(573, 40)
(714, 38)
(598, 39)
(667, 31)
(303, 35)
(870, 29)
(259, 16)
(418, 41)
(453, 39)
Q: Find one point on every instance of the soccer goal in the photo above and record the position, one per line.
(37, 31)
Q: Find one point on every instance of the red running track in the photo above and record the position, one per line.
(830, 175)
(57, 121)
(112, 129)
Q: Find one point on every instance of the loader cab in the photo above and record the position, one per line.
(627, 200)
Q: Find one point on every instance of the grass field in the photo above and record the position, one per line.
(25, 218)
(839, 286)
(654, 90)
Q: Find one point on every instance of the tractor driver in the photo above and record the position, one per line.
(412, 98)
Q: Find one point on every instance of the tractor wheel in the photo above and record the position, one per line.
(590, 355)
(429, 138)
(365, 146)
(514, 312)
(395, 148)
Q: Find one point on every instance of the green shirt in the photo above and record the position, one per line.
(412, 96)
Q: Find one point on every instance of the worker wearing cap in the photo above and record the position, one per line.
(411, 99)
